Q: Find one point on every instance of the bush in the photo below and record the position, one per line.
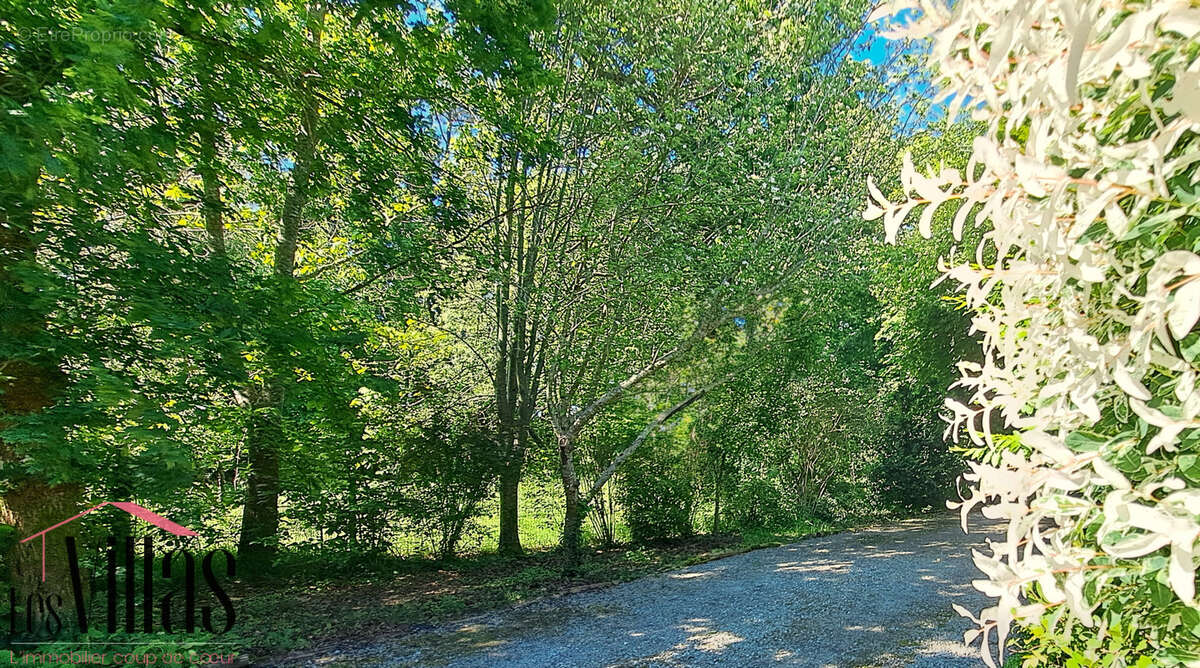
(1086, 293)
(448, 474)
(916, 471)
(657, 494)
(758, 503)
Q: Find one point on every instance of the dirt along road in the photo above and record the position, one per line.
(878, 597)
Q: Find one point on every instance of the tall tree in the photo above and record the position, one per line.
(68, 95)
(128, 128)
(691, 219)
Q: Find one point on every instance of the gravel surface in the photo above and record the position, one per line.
(878, 597)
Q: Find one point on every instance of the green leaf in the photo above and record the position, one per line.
(1190, 346)
(1189, 466)
(1082, 441)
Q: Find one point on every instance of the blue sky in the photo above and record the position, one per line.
(873, 48)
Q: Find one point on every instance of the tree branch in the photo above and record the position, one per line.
(662, 417)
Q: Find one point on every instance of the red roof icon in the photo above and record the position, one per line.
(129, 507)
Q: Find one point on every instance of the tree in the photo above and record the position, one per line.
(688, 246)
(309, 178)
(71, 235)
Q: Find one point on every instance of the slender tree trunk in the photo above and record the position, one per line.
(719, 478)
(352, 483)
(260, 515)
(572, 535)
(510, 464)
(214, 224)
(716, 526)
(506, 384)
(450, 540)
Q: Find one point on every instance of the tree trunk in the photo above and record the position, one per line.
(716, 527)
(450, 540)
(29, 384)
(507, 386)
(260, 515)
(259, 537)
(719, 478)
(214, 224)
(29, 507)
(510, 464)
(260, 512)
(572, 536)
(510, 537)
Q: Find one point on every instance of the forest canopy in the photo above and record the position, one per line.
(434, 278)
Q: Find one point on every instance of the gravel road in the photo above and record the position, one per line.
(878, 597)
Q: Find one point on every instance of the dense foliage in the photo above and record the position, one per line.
(342, 280)
(1083, 409)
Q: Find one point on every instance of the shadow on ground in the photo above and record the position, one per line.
(879, 597)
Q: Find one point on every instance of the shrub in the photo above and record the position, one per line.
(758, 503)
(450, 470)
(1086, 291)
(916, 469)
(657, 495)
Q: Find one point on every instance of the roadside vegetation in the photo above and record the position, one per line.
(438, 306)
(1082, 411)
(424, 308)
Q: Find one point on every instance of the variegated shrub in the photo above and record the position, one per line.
(1085, 293)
